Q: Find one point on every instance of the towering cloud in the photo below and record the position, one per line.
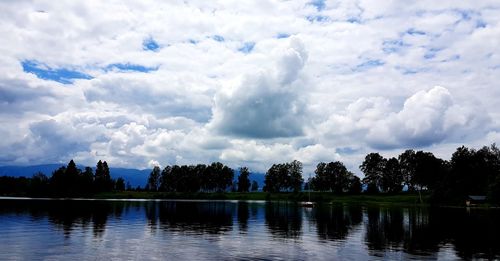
(265, 104)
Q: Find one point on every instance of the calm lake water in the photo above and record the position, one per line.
(232, 230)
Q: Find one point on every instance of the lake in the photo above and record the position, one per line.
(241, 230)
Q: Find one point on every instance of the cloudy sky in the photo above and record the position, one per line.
(245, 82)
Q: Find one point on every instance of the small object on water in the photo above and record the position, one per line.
(307, 204)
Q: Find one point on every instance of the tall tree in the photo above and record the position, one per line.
(295, 176)
(120, 184)
(355, 186)
(471, 172)
(99, 179)
(271, 180)
(392, 177)
(243, 180)
(154, 179)
(407, 163)
(58, 181)
(87, 180)
(284, 177)
(167, 182)
(373, 168)
(71, 170)
(322, 180)
(428, 171)
(332, 176)
(108, 182)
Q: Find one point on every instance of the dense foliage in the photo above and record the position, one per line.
(67, 181)
(469, 172)
(334, 177)
(215, 177)
(284, 177)
(243, 180)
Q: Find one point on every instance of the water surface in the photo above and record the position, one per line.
(229, 230)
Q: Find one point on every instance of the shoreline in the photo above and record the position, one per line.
(406, 199)
(322, 198)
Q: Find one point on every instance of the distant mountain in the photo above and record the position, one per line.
(136, 177)
(28, 171)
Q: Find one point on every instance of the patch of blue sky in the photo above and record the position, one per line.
(319, 4)
(431, 53)
(150, 44)
(465, 14)
(347, 150)
(452, 58)
(282, 35)
(317, 18)
(247, 47)
(129, 67)
(61, 75)
(354, 20)
(480, 23)
(406, 70)
(368, 65)
(192, 41)
(218, 38)
(413, 31)
(393, 46)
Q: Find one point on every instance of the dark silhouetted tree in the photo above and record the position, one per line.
(392, 177)
(167, 182)
(39, 185)
(407, 163)
(109, 183)
(373, 168)
(295, 176)
(354, 184)
(428, 172)
(332, 176)
(120, 184)
(284, 177)
(154, 179)
(243, 180)
(102, 180)
(87, 180)
(471, 172)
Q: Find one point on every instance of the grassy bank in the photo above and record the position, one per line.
(325, 197)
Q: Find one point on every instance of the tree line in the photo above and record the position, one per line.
(67, 181)
(215, 177)
(468, 172)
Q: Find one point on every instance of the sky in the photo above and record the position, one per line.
(246, 83)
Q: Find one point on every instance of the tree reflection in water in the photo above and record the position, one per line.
(423, 231)
(207, 217)
(243, 216)
(336, 222)
(284, 220)
(417, 232)
(399, 228)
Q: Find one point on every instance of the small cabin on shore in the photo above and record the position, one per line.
(475, 200)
